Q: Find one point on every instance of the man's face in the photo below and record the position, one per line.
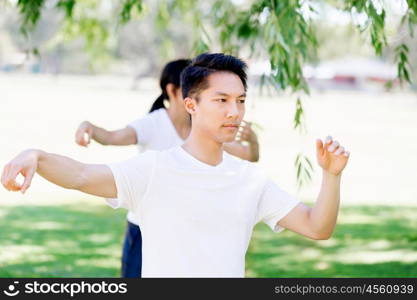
(221, 107)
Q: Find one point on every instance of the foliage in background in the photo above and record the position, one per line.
(282, 30)
(86, 19)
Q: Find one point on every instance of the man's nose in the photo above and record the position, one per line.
(232, 110)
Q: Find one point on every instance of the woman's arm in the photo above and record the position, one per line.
(121, 137)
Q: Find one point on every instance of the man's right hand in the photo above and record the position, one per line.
(84, 134)
(26, 164)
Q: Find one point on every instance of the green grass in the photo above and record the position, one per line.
(369, 241)
(61, 241)
(85, 241)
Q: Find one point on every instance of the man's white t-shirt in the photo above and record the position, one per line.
(154, 131)
(196, 219)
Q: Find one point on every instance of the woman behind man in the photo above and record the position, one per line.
(163, 128)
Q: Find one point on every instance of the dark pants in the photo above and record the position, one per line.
(132, 252)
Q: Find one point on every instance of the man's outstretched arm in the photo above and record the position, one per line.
(318, 222)
(92, 179)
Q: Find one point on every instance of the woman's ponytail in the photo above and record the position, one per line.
(170, 74)
(158, 103)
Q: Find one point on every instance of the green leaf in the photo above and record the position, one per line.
(30, 11)
(304, 170)
(67, 6)
(127, 7)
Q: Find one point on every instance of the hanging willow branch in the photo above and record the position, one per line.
(277, 29)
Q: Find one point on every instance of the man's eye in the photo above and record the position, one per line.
(242, 100)
(221, 100)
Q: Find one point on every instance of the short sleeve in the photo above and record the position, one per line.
(145, 128)
(132, 178)
(274, 205)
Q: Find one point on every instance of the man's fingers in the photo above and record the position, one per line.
(319, 146)
(328, 140)
(14, 186)
(28, 179)
(10, 184)
(4, 175)
(333, 146)
(339, 151)
(14, 170)
(10, 179)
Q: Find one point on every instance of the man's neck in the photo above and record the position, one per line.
(203, 148)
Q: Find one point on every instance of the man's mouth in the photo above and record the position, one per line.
(231, 125)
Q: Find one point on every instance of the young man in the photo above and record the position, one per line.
(161, 129)
(197, 205)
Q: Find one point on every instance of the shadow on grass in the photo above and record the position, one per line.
(60, 241)
(369, 241)
(86, 241)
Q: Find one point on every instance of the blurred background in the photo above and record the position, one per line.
(101, 65)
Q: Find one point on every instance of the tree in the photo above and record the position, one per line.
(281, 30)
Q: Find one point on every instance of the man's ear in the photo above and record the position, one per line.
(190, 105)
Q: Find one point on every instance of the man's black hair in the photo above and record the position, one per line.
(194, 77)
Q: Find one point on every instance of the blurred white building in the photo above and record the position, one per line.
(347, 73)
(357, 73)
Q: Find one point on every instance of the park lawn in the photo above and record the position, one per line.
(85, 241)
(369, 241)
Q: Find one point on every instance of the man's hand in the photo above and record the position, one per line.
(331, 156)
(26, 164)
(93, 179)
(84, 134)
(319, 221)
